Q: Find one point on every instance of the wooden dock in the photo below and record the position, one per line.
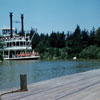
(81, 86)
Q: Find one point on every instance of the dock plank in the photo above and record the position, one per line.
(81, 86)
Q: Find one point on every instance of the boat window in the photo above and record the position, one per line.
(24, 43)
(17, 43)
(21, 43)
(6, 53)
(8, 44)
(13, 43)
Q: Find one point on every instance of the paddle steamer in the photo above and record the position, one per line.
(17, 46)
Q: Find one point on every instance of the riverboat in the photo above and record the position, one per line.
(16, 46)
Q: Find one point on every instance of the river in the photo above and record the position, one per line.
(41, 70)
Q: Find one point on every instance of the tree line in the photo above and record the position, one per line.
(61, 45)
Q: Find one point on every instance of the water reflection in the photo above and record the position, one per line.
(40, 70)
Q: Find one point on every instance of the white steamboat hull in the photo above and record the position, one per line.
(23, 58)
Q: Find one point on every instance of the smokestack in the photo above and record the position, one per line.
(11, 24)
(22, 24)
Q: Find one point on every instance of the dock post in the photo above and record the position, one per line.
(23, 82)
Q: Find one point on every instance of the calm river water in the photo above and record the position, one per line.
(40, 70)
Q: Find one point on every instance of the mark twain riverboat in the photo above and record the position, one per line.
(16, 47)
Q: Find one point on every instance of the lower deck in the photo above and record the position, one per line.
(20, 55)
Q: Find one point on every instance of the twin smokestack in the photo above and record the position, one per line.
(22, 24)
(11, 24)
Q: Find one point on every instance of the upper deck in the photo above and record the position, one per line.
(17, 42)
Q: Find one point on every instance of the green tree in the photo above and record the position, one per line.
(90, 52)
(98, 36)
(53, 40)
(69, 40)
(60, 40)
(56, 52)
(85, 38)
(63, 53)
(76, 40)
(40, 47)
(92, 37)
(34, 37)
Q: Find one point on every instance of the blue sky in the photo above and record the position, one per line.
(51, 15)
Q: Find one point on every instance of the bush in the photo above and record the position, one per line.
(63, 53)
(91, 52)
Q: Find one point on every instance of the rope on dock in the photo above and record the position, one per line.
(23, 86)
(19, 90)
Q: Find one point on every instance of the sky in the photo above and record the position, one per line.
(51, 15)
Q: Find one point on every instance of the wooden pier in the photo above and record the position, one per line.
(81, 86)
